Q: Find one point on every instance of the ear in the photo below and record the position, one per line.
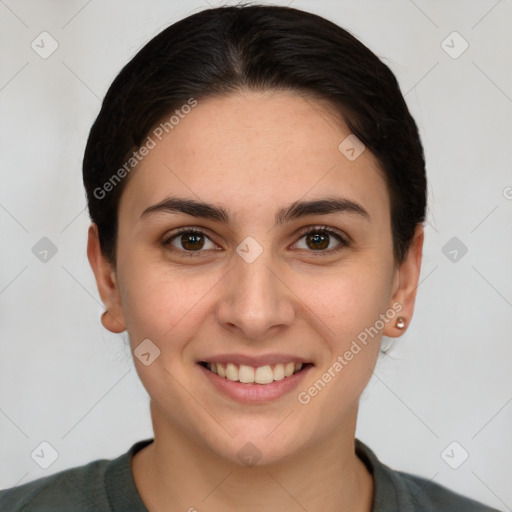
(405, 285)
(105, 275)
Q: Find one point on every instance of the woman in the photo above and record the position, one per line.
(257, 191)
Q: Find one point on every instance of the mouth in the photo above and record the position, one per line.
(247, 384)
(261, 375)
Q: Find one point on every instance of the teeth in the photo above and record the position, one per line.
(245, 373)
(289, 369)
(263, 375)
(260, 375)
(278, 372)
(231, 372)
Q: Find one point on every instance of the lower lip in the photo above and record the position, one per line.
(250, 393)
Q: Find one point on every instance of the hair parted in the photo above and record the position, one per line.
(229, 49)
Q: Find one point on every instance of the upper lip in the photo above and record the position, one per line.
(255, 361)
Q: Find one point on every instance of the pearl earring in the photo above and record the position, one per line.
(400, 323)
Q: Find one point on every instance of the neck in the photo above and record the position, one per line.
(174, 473)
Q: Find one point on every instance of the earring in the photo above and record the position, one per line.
(400, 322)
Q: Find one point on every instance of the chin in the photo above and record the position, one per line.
(261, 447)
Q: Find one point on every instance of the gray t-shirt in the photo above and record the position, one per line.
(108, 486)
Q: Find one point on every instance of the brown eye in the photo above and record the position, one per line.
(189, 241)
(319, 240)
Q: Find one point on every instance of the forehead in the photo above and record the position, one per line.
(254, 151)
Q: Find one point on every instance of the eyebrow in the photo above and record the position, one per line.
(292, 212)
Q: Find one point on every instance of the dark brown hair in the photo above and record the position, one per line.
(257, 47)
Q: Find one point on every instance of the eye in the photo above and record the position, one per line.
(188, 241)
(318, 239)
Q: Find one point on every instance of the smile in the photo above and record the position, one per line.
(254, 375)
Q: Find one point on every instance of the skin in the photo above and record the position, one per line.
(254, 153)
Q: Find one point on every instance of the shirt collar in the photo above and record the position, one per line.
(390, 492)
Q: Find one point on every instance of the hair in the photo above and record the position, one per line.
(225, 50)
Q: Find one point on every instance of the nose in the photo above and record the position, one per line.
(255, 298)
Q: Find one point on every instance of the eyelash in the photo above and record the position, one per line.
(313, 230)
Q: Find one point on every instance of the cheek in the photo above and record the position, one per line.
(349, 304)
(349, 307)
(163, 303)
(346, 301)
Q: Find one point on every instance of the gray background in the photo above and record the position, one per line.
(67, 381)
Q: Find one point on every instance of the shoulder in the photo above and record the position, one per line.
(397, 490)
(104, 485)
(429, 496)
(71, 489)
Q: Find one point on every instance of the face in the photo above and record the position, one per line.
(251, 286)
